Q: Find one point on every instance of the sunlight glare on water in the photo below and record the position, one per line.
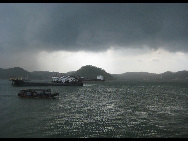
(107, 109)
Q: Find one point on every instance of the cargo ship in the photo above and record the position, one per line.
(56, 81)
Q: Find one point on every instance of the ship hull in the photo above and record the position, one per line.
(23, 83)
(92, 80)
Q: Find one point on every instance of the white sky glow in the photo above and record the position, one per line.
(115, 61)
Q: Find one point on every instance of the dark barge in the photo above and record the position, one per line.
(37, 93)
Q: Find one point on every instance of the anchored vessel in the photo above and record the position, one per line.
(56, 81)
(37, 93)
(99, 78)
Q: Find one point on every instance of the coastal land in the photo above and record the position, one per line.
(91, 72)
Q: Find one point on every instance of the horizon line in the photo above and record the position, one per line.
(97, 67)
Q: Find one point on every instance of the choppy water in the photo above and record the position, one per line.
(103, 109)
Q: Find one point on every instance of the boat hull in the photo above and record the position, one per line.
(23, 83)
(37, 93)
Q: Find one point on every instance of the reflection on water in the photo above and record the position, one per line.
(107, 109)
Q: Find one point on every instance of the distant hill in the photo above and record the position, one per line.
(88, 71)
(43, 75)
(91, 72)
(13, 72)
(180, 75)
(18, 72)
(136, 76)
(166, 76)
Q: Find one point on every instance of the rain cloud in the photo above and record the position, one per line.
(93, 27)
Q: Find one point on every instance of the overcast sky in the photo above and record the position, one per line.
(123, 37)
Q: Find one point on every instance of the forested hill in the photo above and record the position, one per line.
(18, 72)
(166, 76)
(88, 71)
(91, 72)
(13, 72)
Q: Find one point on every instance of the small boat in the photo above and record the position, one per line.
(37, 93)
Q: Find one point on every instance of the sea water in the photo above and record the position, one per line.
(110, 109)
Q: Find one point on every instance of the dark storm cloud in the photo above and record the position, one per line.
(93, 27)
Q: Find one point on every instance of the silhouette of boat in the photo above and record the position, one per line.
(37, 93)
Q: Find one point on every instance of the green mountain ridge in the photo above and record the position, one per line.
(91, 72)
(88, 71)
(166, 76)
(13, 72)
